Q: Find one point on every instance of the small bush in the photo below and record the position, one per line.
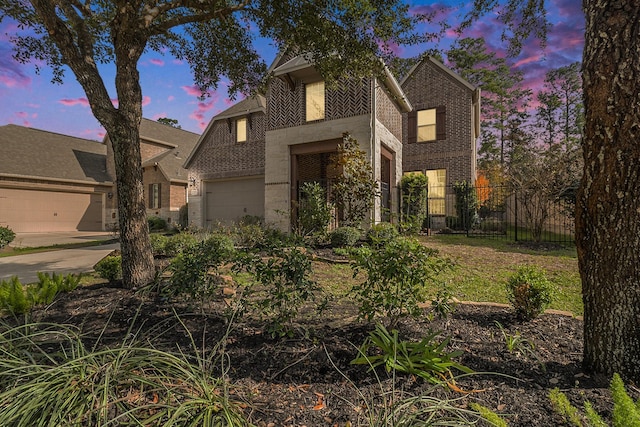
(530, 292)
(398, 276)
(177, 243)
(249, 235)
(282, 286)
(344, 236)
(314, 213)
(156, 223)
(380, 234)
(158, 243)
(110, 268)
(192, 267)
(6, 236)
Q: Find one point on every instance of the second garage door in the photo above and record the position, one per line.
(230, 200)
(29, 211)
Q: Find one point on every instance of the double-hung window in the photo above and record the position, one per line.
(314, 96)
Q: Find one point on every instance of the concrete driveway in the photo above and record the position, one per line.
(77, 260)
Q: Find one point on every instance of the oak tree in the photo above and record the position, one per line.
(216, 37)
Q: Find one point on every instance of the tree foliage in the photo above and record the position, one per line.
(217, 40)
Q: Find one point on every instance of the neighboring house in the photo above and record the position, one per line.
(226, 168)
(440, 134)
(163, 150)
(51, 182)
(291, 135)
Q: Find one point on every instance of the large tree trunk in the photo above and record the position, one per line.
(608, 205)
(137, 258)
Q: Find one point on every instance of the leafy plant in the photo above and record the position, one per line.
(515, 342)
(466, 205)
(443, 302)
(414, 200)
(13, 297)
(563, 407)
(398, 276)
(156, 223)
(381, 233)
(282, 286)
(426, 359)
(355, 190)
(110, 268)
(193, 268)
(158, 243)
(314, 212)
(344, 236)
(178, 243)
(6, 236)
(530, 292)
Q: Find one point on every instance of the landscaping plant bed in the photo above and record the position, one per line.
(307, 379)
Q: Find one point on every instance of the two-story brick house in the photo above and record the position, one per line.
(440, 134)
(253, 156)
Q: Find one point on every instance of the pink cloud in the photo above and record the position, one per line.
(159, 116)
(171, 98)
(146, 100)
(22, 114)
(158, 62)
(177, 62)
(84, 102)
(192, 91)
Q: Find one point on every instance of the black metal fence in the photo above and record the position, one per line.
(500, 212)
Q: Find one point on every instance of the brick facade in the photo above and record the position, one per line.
(431, 85)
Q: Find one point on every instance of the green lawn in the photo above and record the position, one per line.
(482, 268)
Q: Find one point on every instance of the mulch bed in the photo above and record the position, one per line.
(308, 380)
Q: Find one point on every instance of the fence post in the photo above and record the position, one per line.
(516, 214)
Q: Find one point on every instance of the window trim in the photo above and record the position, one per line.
(441, 124)
(155, 196)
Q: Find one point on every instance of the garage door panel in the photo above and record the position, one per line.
(228, 201)
(42, 211)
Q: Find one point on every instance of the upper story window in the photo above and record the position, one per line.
(427, 125)
(241, 129)
(314, 95)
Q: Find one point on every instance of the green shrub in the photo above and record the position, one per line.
(183, 216)
(379, 234)
(414, 201)
(344, 236)
(282, 286)
(425, 359)
(250, 235)
(466, 204)
(314, 212)
(158, 243)
(156, 223)
(13, 297)
(6, 236)
(530, 292)
(110, 268)
(48, 287)
(193, 267)
(178, 243)
(398, 278)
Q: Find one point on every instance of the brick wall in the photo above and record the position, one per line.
(387, 112)
(428, 87)
(286, 107)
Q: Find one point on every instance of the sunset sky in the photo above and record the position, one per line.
(32, 100)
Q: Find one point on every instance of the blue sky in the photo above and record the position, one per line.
(30, 99)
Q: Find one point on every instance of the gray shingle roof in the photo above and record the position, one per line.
(33, 152)
(179, 143)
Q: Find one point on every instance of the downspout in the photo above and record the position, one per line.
(372, 139)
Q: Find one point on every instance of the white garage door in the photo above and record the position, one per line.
(230, 200)
(41, 211)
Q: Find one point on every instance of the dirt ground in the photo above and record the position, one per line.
(308, 380)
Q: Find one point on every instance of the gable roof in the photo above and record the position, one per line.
(301, 67)
(179, 144)
(253, 104)
(34, 153)
(442, 67)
